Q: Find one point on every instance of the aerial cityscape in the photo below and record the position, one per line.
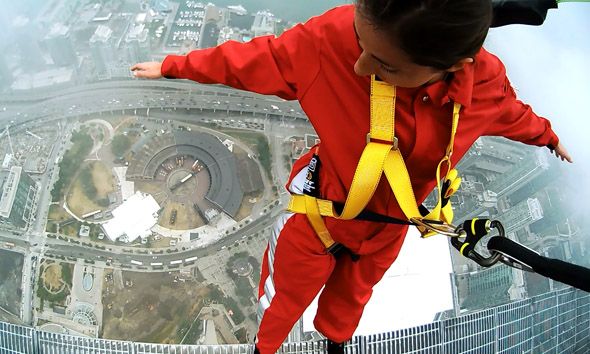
(140, 211)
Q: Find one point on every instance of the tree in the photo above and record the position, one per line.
(87, 182)
(264, 153)
(120, 145)
(71, 161)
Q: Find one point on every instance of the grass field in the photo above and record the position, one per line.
(151, 307)
(55, 283)
(52, 278)
(78, 202)
(246, 207)
(257, 142)
(250, 138)
(57, 213)
(103, 179)
(71, 229)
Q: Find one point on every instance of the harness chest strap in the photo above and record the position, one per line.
(381, 155)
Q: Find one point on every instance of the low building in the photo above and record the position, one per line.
(133, 219)
(84, 231)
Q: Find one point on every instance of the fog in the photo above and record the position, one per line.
(55, 45)
(548, 65)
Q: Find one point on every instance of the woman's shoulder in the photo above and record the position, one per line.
(489, 76)
(342, 12)
(334, 31)
(488, 67)
(333, 20)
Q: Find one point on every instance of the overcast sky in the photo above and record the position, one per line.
(549, 67)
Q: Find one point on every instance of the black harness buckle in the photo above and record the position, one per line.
(338, 249)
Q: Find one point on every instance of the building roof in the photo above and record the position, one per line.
(141, 18)
(7, 160)
(137, 32)
(58, 30)
(225, 191)
(134, 218)
(9, 191)
(238, 9)
(44, 79)
(103, 33)
(263, 23)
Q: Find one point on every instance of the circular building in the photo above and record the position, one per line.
(193, 173)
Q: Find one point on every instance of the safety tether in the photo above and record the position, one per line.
(381, 155)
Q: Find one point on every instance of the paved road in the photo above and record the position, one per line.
(73, 248)
(139, 95)
(15, 237)
(123, 256)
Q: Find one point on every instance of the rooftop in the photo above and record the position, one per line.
(134, 218)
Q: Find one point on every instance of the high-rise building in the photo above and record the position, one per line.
(102, 49)
(137, 44)
(521, 215)
(51, 12)
(59, 45)
(27, 35)
(526, 169)
(160, 5)
(18, 198)
(556, 322)
(493, 167)
(484, 288)
(490, 157)
(264, 23)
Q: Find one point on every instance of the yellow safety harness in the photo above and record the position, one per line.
(381, 154)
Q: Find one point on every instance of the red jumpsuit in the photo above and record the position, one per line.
(313, 63)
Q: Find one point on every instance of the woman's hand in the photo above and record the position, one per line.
(561, 152)
(149, 70)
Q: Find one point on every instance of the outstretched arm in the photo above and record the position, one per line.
(147, 70)
(283, 66)
(518, 122)
(561, 152)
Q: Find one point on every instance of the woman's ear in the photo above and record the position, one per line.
(459, 65)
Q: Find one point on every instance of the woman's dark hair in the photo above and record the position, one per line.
(435, 33)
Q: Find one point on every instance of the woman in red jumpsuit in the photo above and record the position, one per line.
(432, 51)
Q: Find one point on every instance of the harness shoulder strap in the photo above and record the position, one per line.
(381, 155)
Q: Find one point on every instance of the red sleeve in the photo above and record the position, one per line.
(518, 122)
(284, 66)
